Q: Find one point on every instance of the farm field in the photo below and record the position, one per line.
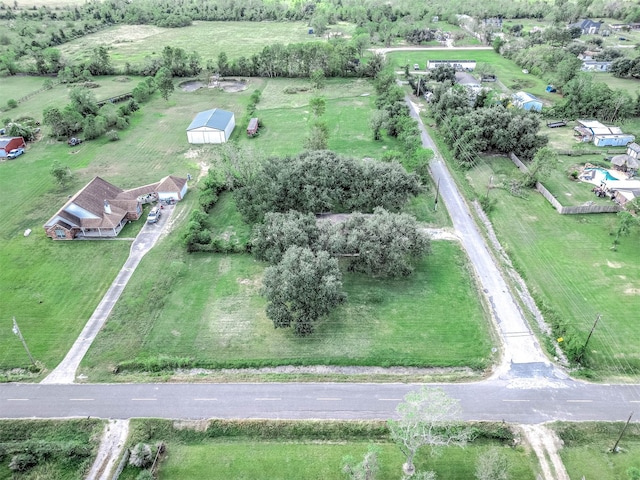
(132, 43)
(568, 264)
(301, 450)
(206, 308)
(586, 449)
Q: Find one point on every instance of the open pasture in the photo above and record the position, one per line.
(132, 43)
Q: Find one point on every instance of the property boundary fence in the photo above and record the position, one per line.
(564, 210)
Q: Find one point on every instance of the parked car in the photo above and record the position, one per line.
(16, 152)
(416, 66)
(154, 215)
(73, 141)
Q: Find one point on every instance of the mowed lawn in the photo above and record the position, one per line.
(207, 307)
(240, 459)
(132, 43)
(586, 450)
(286, 117)
(569, 265)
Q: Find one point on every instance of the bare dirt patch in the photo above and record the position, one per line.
(632, 291)
(230, 85)
(614, 264)
(191, 86)
(111, 445)
(192, 153)
(545, 443)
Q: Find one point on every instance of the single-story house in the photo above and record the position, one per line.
(459, 65)
(527, 101)
(587, 26)
(601, 135)
(594, 66)
(211, 126)
(101, 209)
(9, 143)
(628, 162)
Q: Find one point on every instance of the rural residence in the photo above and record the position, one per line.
(527, 101)
(627, 162)
(459, 65)
(211, 126)
(9, 143)
(101, 210)
(601, 135)
(587, 26)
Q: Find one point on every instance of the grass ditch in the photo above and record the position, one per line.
(60, 449)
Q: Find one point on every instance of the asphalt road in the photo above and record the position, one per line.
(513, 401)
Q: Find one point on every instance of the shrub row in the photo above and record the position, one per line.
(151, 430)
(166, 363)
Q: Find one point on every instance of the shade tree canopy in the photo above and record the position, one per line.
(323, 181)
(302, 288)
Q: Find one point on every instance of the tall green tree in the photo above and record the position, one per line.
(280, 231)
(164, 82)
(301, 289)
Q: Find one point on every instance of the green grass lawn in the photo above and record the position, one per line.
(207, 307)
(62, 443)
(568, 264)
(586, 449)
(301, 450)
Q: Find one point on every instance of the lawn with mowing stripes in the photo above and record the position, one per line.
(568, 264)
(586, 450)
(207, 307)
(315, 461)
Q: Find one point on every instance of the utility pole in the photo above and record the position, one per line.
(16, 330)
(435, 207)
(489, 185)
(584, 348)
(615, 447)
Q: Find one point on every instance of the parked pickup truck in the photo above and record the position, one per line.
(16, 152)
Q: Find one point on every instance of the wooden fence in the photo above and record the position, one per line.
(565, 210)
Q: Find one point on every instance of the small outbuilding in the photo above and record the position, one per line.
(211, 126)
(252, 129)
(9, 143)
(527, 101)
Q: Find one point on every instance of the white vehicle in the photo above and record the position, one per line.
(154, 215)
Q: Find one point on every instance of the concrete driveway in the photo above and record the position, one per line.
(65, 372)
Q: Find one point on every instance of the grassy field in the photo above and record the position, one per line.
(132, 43)
(569, 265)
(315, 461)
(301, 450)
(52, 288)
(586, 449)
(206, 307)
(61, 442)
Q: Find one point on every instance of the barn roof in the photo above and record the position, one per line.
(214, 118)
(525, 97)
(634, 147)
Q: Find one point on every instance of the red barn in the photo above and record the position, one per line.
(9, 143)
